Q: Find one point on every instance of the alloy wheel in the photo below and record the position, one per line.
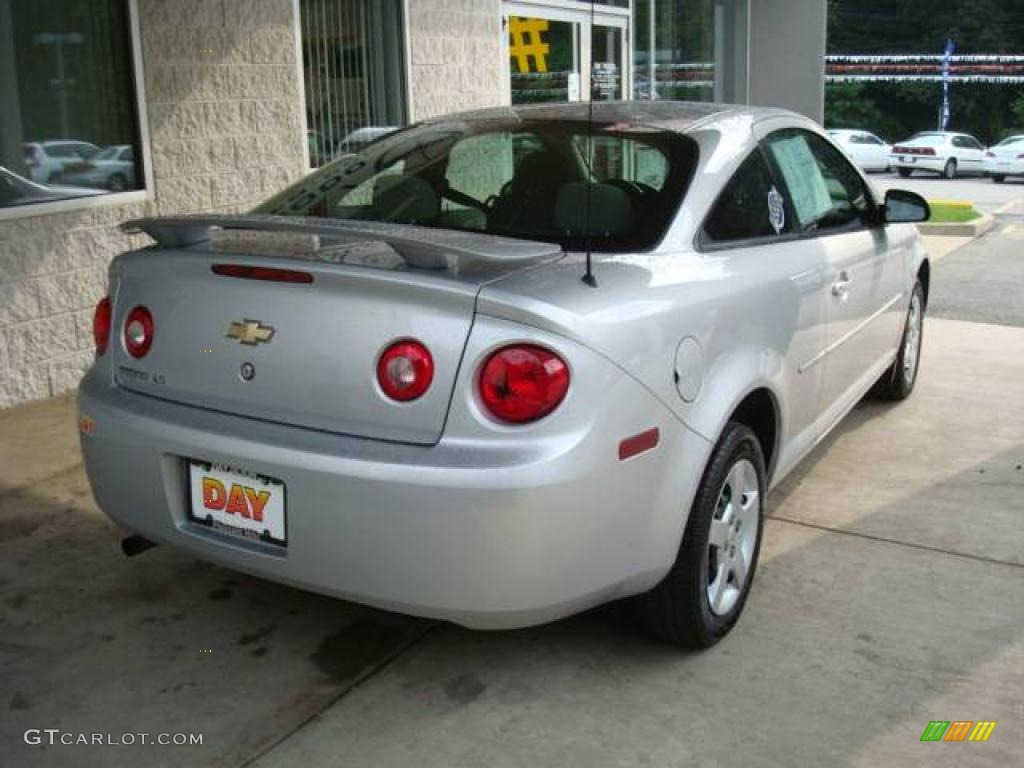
(912, 339)
(732, 537)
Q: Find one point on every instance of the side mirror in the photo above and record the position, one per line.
(903, 207)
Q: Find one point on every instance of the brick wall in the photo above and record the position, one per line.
(223, 105)
(455, 56)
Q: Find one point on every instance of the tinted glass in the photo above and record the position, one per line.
(750, 206)
(70, 92)
(825, 190)
(528, 179)
(674, 50)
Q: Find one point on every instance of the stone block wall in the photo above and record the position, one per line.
(224, 105)
(455, 56)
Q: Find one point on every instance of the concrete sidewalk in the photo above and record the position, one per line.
(890, 593)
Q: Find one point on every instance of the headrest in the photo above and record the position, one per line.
(611, 210)
(405, 199)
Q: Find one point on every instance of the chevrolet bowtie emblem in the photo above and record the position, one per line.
(250, 332)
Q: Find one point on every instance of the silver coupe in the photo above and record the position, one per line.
(502, 366)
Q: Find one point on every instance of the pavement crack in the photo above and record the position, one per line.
(896, 542)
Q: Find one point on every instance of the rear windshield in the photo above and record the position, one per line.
(928, 140)
(607, 187)
(1010, 140)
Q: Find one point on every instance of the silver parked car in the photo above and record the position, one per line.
(507, 365)
(111, 168)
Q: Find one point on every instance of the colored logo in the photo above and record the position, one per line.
(958, 730)
(525, 42)
(250, 332)
(241, 500)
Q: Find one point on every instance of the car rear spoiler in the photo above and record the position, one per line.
(422, 247)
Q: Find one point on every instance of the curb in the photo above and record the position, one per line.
(975, 228)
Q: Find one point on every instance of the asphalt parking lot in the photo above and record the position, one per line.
(890, 593)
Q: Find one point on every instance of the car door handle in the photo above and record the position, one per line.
(841, 287)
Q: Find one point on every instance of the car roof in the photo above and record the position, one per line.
(669, 115)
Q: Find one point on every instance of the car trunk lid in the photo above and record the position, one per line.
(303, 352)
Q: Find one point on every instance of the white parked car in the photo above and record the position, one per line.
(360, 137)
(944, 152)
(111, 168)
(47, 160)
(867, 150)
(1005, 158)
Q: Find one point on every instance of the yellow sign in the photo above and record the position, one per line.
(525, 42)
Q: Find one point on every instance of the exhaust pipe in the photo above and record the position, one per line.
(135, 545)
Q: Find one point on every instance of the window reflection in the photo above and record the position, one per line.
(68, 121)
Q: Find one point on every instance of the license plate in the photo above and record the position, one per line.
(237, 502)
(908, 159)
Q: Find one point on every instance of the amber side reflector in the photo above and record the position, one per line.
(644, 441)
(270, 274)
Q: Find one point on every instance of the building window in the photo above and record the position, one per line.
(674, 57)
(69, 121)
(353, 72)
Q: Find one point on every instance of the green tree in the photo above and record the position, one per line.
(923, 26)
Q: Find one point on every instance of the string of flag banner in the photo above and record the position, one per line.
(944, 67)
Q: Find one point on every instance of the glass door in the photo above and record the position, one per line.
(607, 59)
(559, 53)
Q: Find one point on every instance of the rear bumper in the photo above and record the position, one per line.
(491, 535)
(919, 162)
(1004, 167)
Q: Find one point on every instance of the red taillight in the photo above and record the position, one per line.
(913, 150)
(138, 332)
(270, 274)
(101, 325)
(523, 382)
(405, 370)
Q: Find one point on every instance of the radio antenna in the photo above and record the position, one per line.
(588, 276)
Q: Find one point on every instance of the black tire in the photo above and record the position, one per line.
(678, 610)
(998, 178)
(949, 169)
(895, 384)
(904, 172)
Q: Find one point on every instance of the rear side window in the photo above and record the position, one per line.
(825, 189)
(750, 206)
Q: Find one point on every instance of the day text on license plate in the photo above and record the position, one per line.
(240, 503)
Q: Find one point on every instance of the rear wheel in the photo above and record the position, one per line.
(702, 597)
(949, 170)
(998, 178)
(904, 172)
(898, 381)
